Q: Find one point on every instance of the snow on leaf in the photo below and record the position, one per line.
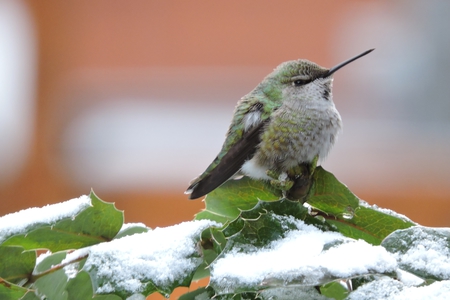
(158, 260)
(262, 224)
(388, 288)
(21, 221)
(69, 225)
(130, 229)
(422, 251)
(289, 293)
(305, 256)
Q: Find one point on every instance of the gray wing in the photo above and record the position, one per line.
(230, 163)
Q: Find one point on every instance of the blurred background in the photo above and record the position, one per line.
(133, 98)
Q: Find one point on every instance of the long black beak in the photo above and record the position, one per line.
(335, 68)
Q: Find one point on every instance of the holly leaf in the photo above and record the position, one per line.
(328, 195)
(130, 230)
(422, 251)
(334, 290)
(344, 211)
(370, 223)
(9, 291)
(330, 200)
(16, 264)
(225, 203)
(260, 225)
(159, 260)
(331, 196)
(95, 224)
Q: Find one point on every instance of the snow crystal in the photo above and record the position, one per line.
(428, 252)
(290, 293)
(439, 290)
(409, 279)
(388, 288)
(383, 288)
(306, 256)
(71, 270)
(163, 256)
(19, 222)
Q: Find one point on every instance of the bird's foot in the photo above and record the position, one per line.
(297, 171)
(295, 184)
(313, 165)
(280, 181)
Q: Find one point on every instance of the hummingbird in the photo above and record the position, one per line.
(288, 120)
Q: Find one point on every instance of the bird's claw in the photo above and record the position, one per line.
(280, 181)
(294, 184)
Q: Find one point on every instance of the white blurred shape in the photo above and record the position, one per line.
(139, 144)
(17, 86)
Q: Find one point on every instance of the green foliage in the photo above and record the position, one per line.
(370, 224)
(334, 290)
(253, 215)
(331, 196)
(16, 263)
(225, 203)
(330, 200)
(21, 278)
(95, 224)
(10, 291)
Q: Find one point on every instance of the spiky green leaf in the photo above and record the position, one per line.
(95, 224)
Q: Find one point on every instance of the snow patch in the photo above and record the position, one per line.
(125, 226)
(388, 288)
(307, 256)
(428, 252)
(42, 256)
(163, 256)
(19, 222)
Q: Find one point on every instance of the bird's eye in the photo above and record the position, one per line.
(299, 82)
